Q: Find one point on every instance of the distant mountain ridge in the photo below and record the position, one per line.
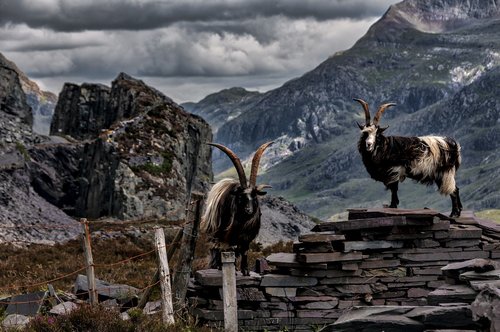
(432, 58)
(223, 106)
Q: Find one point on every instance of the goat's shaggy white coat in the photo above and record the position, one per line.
(212, 216)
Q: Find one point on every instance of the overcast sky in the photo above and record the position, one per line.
(185, 48)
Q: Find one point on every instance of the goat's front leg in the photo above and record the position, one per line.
(456, 204)
(394, 194)
(244, 261)
(215, 259)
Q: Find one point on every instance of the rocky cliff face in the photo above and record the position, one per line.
(127, 151)
(83, 111)
(141, 156)
(25, 216)
(42, 103)
(15, 113)
(425, 55)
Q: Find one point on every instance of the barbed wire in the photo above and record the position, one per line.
(66, 275)
(79, 294)
(128, 259)
(46, 281)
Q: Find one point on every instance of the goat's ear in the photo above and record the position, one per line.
(259, 189)
(382, 129)
(360, 126)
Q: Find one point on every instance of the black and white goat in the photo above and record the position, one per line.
(232, 214)
(426, 159)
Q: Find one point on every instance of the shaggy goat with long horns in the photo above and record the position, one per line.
(232, 215)
(426, 159)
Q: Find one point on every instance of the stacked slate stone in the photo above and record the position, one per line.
(465, 280)
(379, 257)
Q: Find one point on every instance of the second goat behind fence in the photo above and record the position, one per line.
(426, 159)
(232, 214)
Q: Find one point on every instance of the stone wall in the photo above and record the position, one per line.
(377, 258)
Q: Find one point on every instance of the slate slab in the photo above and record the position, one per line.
(414, 213)
(26, 304)
(321, 237)
(279, 280)
(389, 318)
(443, 317)
(487, 305)
(451, 293)
(105, 290)
(477, 264)
(282, 291)
(359, 224)
(213, 278)
(347, 246)
(471, 275)
(63, 308)
(15, 321)
(329, 257)
(290, 260)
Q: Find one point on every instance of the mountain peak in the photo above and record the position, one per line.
(433, 16)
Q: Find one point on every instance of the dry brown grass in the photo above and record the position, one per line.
(36, 264)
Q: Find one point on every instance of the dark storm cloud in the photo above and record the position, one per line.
(52, 46)
(72, 15)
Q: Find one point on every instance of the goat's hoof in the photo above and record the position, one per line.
(246, 273)
(455, 214)
(393, 206)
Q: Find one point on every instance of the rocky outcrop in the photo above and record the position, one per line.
(42, 103)
(162, 159)
(83, 111)
(141, 154)
(15, 114)
(281, 221)
(27, 217)
(77, 178)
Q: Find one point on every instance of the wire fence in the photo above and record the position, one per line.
(76, 272)
(119, 295)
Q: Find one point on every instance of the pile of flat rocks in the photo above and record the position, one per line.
(378, 258)
(19, 310)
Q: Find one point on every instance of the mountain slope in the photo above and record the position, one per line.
(425, 55)
(223, 106)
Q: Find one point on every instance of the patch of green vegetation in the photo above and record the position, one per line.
(164, 168)
(492, 214)
(101, 319)
(22, 149)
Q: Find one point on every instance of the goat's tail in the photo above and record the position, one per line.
(211, 219)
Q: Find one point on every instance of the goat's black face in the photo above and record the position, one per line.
(371, 135)
(246, 200)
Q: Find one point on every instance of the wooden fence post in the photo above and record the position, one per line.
(156, 277)
(229, 292)
(166, 290)
(183, 271)
(87, 249)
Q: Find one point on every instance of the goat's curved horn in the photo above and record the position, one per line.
(236, 162)
(256, 162)
(381, 111)
(365, 107)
